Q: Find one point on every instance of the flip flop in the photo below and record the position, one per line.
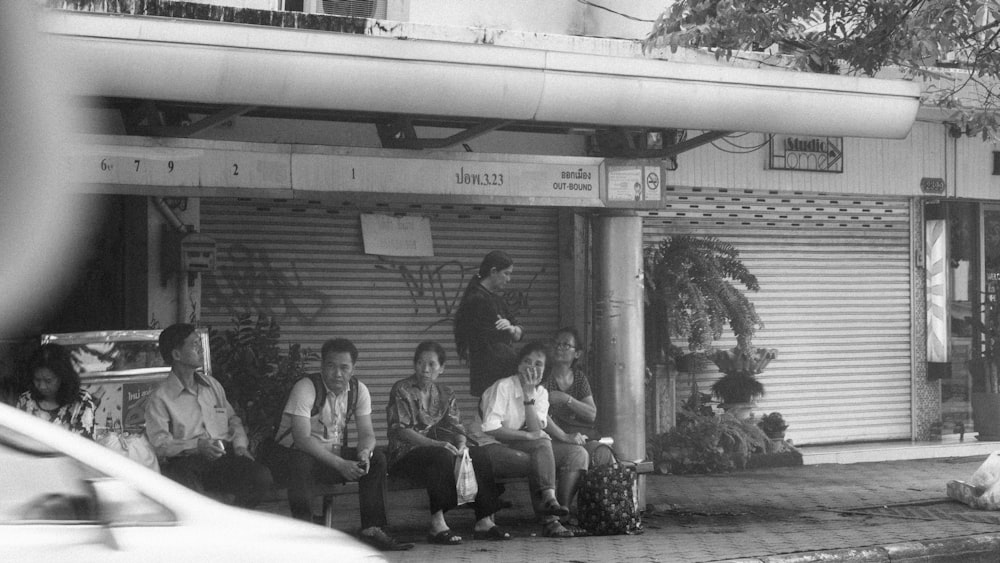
(445, 537)
(495, 533)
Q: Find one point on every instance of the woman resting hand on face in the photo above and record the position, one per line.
(515, 412)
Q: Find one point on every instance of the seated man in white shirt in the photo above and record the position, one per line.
(315, 442)
(197, 436)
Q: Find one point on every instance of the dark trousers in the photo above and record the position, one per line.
(305, 472)
(239, 476)
(434, 467)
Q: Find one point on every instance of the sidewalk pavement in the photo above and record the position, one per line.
(867, 512)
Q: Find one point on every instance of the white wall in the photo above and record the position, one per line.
(973, 170)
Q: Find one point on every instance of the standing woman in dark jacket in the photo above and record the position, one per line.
(485, 330)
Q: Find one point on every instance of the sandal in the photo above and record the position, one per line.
(495, 533)
(376, 537)
(446, 537)
(556, 530)
(553, 508)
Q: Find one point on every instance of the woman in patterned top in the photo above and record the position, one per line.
(55, 394)
(426, 435)
(572, 411)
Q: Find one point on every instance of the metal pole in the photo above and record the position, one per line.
(618, 334)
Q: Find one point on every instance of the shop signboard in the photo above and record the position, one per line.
(807, 154)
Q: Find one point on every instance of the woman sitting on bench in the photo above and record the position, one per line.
(515, 412)
(426, 436)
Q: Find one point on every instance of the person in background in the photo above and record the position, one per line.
(315, 443)
(515, 412)
(485, 329)
(198, 438)
(426, 435)
(55, 394)
(572, 411)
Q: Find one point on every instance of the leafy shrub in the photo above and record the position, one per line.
(256, 372)
(708, 444)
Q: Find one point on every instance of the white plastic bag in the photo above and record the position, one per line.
(465, 479)
(133, 446)
(983, 489)
(988, 474)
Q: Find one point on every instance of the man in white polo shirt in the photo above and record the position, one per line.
(314, 429)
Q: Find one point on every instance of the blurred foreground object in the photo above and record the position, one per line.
(39, 219)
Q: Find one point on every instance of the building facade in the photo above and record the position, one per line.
(347, 174)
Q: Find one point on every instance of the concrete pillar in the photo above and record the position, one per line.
(618, 333)
(574, 277)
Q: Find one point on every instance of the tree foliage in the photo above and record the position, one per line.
(951, 44)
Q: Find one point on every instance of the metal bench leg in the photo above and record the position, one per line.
(328, 511)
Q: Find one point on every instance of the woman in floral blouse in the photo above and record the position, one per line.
(55, 394)
(426, 436)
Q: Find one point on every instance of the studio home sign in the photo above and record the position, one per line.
(813, 154)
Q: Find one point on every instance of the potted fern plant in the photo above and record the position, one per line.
(773, 425)
(739, 387)
(695, 288)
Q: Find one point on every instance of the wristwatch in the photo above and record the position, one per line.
(531, 402)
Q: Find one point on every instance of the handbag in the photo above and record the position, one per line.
(607, 500)
(466, 486)
(134, 446)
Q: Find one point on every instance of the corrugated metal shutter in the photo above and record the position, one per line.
(835, 301)
(303, 262)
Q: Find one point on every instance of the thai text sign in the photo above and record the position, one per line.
(552, 180)
(812, 154)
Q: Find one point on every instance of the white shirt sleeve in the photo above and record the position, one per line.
(494, 405)
(364, 406)
(300, 400)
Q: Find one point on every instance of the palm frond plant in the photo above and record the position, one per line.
(693, 291)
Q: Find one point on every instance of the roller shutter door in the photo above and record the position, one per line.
(834, 299)
(303, 262)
